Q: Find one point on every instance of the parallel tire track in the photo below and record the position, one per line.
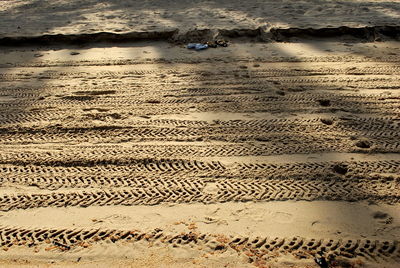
(153, 173)
(257, 248)
(272, 135)
(116, 164)
(267, 145)
(189, 73)
(154, 161)
(222, 190)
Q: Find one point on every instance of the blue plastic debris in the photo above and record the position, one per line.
(201, 46)
(197, 46)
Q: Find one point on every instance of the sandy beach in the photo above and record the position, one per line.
(120, 147)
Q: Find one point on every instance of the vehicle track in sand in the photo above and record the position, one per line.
(112, 133)
(254, 248)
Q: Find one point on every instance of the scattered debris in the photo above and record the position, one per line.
(197, 46)
(212, 44)
(222, 43)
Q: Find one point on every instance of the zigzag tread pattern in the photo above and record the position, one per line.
(272, 134)
(313, 69)
(259, 247)
(188, 191)
(150, 172)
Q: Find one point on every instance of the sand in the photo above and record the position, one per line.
(147, 154)
(32, 18)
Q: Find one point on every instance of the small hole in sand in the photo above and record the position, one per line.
(327, 121)
(324, 103)
(363, 144)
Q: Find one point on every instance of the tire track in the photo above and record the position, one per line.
(112, 154)
(125, 173)
(255, 249)
(274, 144)
(294, 145)
(95, 150)
(132, 164)
(382, 106)
(382, 133)
(305, 98)
(217, 60)
(188, 72)
(224, 190)
(230, 86)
